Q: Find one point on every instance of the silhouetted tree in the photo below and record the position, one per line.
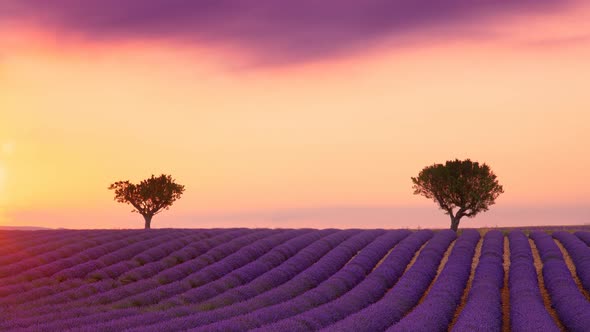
(465, 185)
(149, 197)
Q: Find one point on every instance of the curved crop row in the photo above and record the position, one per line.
(81, 255)
(404, 295)
(44, 294)
(11, 239)
(43, 244)
(347, 286)
(275, 277)
(366, 292)
(245, 255)
(248, 272)
(50, 252)
(527, 310)
(307, 257)
(14, 284)
(580, 254)
(446, 292)
(292, 280)
(584, 236)
(108, 291)
(273, 239)
(364, 261)
(152, 254)
(125, 253)
(193, 250)
(187, 253)
(483, 310)
(570, 304)
(273, 287)
(18, 245)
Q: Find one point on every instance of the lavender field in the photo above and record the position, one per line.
(294, 280)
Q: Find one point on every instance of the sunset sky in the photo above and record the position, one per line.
(291, 113)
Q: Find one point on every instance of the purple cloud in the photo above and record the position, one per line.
(274, 31)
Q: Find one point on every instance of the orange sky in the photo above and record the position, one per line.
(328, 142)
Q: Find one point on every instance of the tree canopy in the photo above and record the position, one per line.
(467, 186)
(150, 197)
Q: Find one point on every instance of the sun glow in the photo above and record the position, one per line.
(2, 182)
(6, 150)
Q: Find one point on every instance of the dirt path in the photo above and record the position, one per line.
(416, 254)
(572, 267)
(397, 245)
(474, 263)
(546, 298)
(505, 289)
(442, 264)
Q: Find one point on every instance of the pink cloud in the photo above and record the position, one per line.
(272, 31)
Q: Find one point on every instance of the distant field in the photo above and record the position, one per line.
(295, 280)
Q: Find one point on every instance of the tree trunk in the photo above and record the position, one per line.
(148, 221)
(454, 223)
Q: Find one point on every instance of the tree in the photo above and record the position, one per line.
(149, 197)
(464, 185)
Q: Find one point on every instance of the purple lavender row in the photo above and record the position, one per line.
(15, 326)
(177, 317)
(240, 258)
(107, 291)
(580, 254)
(150, 255)
(85, 255)
(44, 245)
(178, 311)
(46, 252)
(40, 292)
(19, 318)
(76, 297)
(368, 289)
(36, 293)
(15, 240)
(124, 253)
(274, 258)
(405, 294)
(60, 259)
(334, 260)
(37, 245)
(572, 307)
(584, 236)
(527, 310)
(249, 272)
(483, 309)
(10, 285)
(185, 269)
(338, 284)
(100, 314)
(35, 267)
(209, 254)
(323, 305)
(75, 323)
(259, 295)
(436, 311)
(8, 237)
(185, 254)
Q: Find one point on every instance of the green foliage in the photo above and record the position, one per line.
(467, 186)
(149, 197)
